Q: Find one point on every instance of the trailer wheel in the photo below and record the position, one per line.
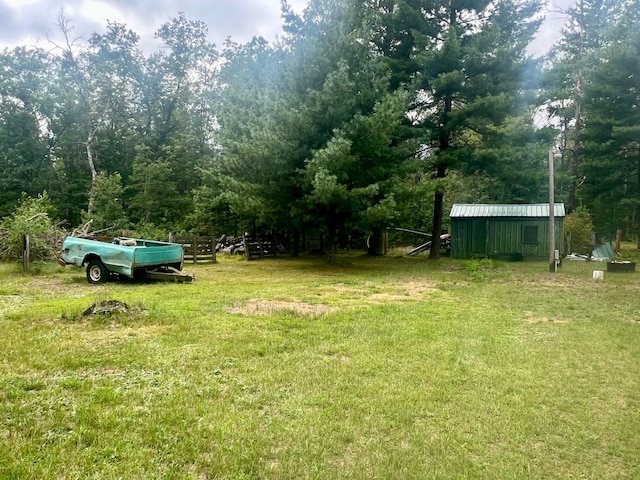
(97, 272)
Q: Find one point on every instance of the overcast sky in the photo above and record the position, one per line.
(29, 22)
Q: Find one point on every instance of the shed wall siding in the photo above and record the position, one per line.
(460, 238)
(504, 236)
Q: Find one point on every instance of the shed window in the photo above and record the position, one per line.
(530, 234)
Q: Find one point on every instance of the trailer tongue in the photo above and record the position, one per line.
(169, 274)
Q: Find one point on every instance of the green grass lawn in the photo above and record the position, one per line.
(390, 367)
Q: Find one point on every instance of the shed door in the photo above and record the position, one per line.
(479, 237)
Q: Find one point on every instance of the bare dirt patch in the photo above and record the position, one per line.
(387, 297)
(378, 293)
(405, 291)
(257, 306)
(419, 288)
(352, 290)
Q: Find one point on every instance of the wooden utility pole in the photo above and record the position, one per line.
(552, 218)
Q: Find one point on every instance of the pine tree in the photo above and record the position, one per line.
(611, 165)
(571, 61)
(310, 128)
(464, 61)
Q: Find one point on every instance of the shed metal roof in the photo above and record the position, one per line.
(537, 210)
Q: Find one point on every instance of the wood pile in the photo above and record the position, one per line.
(230, 245)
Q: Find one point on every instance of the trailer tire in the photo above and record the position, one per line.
(97, 272)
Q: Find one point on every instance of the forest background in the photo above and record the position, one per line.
(363, 115)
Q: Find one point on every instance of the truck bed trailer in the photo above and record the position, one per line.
(131, 257)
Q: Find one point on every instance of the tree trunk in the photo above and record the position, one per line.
(438, 207)
(92, 167)
(331, 247)
(441, 172)
(296, 243)
(303, 241)
(578, 99)
(577, 147)
(378, 244)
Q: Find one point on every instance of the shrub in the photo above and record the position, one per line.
(578, 231)
(33, 217)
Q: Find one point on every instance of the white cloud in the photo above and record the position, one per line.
(549, 32)
(102, 11)
(20, 3)
(25, 22)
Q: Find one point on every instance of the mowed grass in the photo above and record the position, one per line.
(286, 368)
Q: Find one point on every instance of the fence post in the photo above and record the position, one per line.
(247, 254)
(25, 253)
(213, 250)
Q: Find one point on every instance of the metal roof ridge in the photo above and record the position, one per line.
(530, 210)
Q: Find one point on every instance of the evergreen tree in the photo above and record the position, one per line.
(254, 176)
(571, 61)
(478, 86)
(611, 165)
(464, 61)
(316, 142)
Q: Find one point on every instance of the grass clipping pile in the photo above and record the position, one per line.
(258, 306)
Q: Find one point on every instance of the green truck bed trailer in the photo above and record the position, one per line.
(131, 257)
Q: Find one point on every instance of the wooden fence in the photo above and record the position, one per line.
(258, 246)
(196, 249)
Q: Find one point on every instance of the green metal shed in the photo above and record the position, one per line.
(504, 231)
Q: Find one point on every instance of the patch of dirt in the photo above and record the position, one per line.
(419, 288)
(404, 291)
(348, 289)
(394, 292)
(258, 306)
(387, 297)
